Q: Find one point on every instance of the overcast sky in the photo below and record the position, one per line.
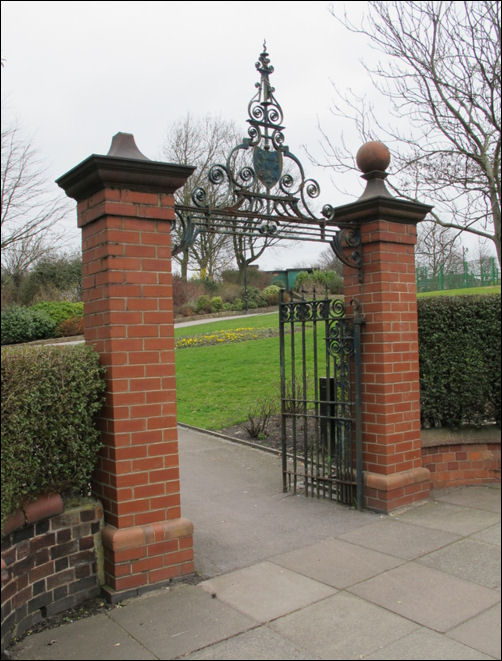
(76, 73)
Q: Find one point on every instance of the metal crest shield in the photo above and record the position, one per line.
(268, 166)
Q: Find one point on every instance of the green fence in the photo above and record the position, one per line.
(469, 274)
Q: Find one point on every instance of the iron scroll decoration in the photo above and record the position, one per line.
(264, 188)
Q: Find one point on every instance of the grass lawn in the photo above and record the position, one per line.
(472, 291)
(218, 384)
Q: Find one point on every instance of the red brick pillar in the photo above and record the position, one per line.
(125, 209)
(385, 286)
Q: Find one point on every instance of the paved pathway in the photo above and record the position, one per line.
(286, 577)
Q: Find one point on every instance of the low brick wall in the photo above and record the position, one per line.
(51, 560)
(466, 457)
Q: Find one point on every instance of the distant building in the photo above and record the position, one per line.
(286, 279)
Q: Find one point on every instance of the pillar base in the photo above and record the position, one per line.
(146, 557)
(385, 493)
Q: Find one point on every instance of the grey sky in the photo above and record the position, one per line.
(76, 73)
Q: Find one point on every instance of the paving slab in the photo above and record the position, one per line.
(491, 535)
(239, 511)
(179, 621)
(481, 632)
(486, 497)
(427, 596)
(400, 539)
(343, 627)
(448, 517)
(266, 591)
(93, 638)
(260, 643)
(468, 559)
(425, 645)
(336, 563)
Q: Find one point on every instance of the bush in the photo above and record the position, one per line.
(50, 397)
(21, 324)
(271, 294)
(184, 292)
(59, 311)
(217, 303)
(321, 281)
(186, 310)
(237, 305)
(255, 297)
(71, 326)
(459, 345)
(203, 305)
(53, 277)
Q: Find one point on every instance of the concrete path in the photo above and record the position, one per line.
(286, 577)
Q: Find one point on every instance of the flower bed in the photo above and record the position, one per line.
(224, 336)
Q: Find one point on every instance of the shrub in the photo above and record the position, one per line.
(21, 324)
(237, 305)
(271, 294)
(459, 345)
(50, 397)
(203, 305)
(217, 303)
(259, 418)
(59, 311)
(321, 281)
(184, 292)
(255, 298)
(186, 310)
(71, 326)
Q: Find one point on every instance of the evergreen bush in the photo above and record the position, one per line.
(20, 324)
(459, 347)
(50, 397)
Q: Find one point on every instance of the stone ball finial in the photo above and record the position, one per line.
(373, 156)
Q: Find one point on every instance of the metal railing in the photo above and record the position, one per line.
(468, 274)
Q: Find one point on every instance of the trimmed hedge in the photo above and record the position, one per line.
(20, 324)
(39, 321)
(50, 397)
(459, 345)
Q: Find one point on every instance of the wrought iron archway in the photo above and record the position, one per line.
(262, 188)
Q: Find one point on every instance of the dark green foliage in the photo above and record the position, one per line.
(53, 277)
(40, 321)
(255, 297)
(459, 345)
(21, 324)
(50, 397)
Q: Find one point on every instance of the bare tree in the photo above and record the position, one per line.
(436, 248)
(200, 142)
(440, 77)
(29, 211)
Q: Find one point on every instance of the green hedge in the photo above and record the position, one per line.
(60, 310)
(37, 322)
(50, 397)
(20, 324)
(459, 345)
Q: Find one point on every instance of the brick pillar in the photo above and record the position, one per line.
(125, 209)
(386, 289)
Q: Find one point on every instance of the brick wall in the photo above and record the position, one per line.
(462, 464)
(49, 564)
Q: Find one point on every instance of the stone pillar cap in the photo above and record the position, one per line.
(373, 159)
(124, 146)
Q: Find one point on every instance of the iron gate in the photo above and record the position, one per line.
(320, 399)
